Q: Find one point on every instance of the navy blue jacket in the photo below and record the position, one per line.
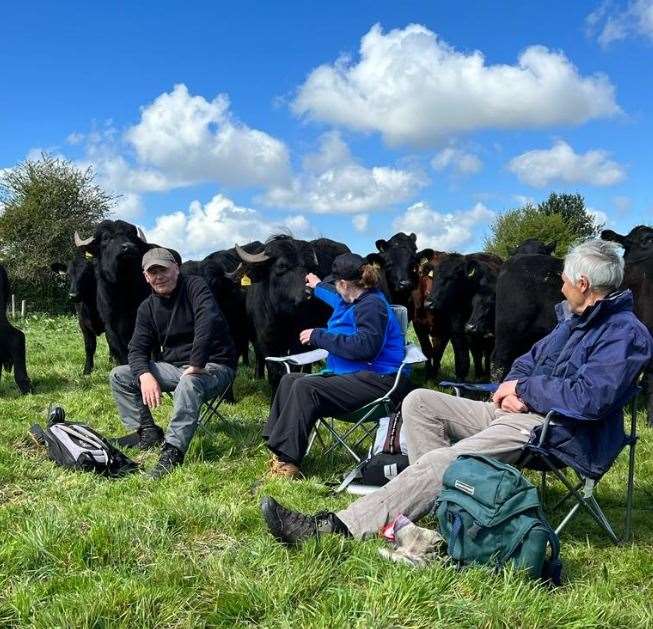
(362, 336)
(585, 369)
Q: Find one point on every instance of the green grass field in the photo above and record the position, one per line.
(191, 550)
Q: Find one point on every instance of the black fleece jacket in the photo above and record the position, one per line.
(197, 335)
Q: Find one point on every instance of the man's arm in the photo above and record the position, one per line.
(371, 318)
(523, 365)
(207, 316)
(601, 383)
(142, 341)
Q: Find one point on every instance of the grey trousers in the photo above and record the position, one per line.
(188, 394)
(439, 427)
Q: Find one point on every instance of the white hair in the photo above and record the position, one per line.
(599, 261)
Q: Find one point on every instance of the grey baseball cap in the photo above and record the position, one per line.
(158, 257)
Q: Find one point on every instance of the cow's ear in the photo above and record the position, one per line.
(512, 251)
(374, 259)
(550, 247)
(608, 234)
(58, 267)
(381, 245)
(424, 256)
(413, 237)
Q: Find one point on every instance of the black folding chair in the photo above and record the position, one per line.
(539, 457)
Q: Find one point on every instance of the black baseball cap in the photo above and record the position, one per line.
(348, 266)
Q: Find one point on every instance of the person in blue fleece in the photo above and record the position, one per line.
(366, 347)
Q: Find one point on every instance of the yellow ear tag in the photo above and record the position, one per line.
(245, 281)
(88, 254)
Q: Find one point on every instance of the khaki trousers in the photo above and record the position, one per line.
(439, 427)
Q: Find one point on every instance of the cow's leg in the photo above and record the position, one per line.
(117, 349)
(90, 344)
(422, 333)
(461, 354)
(17, 349)
(440, 342)
(476, 349)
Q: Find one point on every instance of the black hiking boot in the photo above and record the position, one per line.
(170, 458)
(130, 440)
(149, 436)
(291, 527)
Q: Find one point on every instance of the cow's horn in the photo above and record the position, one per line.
(251, 258)
(233, 275)
(83, 243)
(141, 235)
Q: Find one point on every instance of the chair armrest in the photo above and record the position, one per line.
(305, 358)
(484, 387)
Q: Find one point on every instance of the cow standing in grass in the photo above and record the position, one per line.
(12, 341)
(638, 257)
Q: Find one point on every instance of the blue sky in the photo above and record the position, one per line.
(223, 122)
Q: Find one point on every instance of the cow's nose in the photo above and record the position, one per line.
(405, 284)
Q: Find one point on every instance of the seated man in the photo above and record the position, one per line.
(587, 365)
(181, 323)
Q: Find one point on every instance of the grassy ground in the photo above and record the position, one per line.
(191, 550)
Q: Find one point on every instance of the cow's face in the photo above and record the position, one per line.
(117, 246)
(481, 321)
(399, 262)
(446, 283)
(80, 273)
(533, 245)
(637, 244)
(282, 266)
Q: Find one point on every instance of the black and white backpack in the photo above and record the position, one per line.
(79, 447)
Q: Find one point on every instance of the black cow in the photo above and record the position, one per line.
(278, 304)
(82, 292)
(527, 290)
(457, 280)
(399, 260)
(12, 341)
(638, 276)
(219, 271)
(118, 249)
(533, 245)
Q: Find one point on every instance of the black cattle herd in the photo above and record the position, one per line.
(490, 308)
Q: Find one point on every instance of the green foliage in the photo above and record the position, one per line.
(45, 201)
(191, 550)
(562, 218)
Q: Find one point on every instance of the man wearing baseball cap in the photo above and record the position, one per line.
(181, 325)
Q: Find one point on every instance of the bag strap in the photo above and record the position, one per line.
(164, 340)
(392, 444)
(552, 567)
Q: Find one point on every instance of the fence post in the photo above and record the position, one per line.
(13, 306)
(22, 309)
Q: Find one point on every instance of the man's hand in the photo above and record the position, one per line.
(512, 404)
(189, 371)
(150, 390)
(305, 336)
(505, 389)
(312, 280)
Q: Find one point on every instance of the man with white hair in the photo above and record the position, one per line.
(586, 367)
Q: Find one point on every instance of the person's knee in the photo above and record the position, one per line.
(120, 376)
(303, 385)
(416, 402)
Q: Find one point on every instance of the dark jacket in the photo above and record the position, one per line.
(362, 336)
(198, 333)
(585, 369)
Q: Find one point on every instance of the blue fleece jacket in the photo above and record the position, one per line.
(585, 369)
(362, 336)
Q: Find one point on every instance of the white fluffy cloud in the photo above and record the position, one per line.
(415, 89)
(331, 181)
(608, 25)
(191, 139)
(459, 161)
(219, 224)
(443, 231)
(540, 167)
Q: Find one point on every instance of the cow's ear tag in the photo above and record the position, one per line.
(471, 273)
(431, 273)
(424, 260)
(245, 281)
(88, 254)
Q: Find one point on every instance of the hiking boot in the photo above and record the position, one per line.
(127, 441)
(150, 436)
(282, 469)
(170, 458)
(291, 527)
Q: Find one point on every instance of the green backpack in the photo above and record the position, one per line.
(490, 514)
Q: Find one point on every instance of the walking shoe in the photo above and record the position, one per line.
(291, 527)
(127, 441)
(282, 469)
(170, 458)
(150, 436)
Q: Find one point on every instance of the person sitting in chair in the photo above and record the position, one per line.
(366, 346)
(182, 325)
(586, 366)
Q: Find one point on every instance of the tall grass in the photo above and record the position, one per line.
(191, 550)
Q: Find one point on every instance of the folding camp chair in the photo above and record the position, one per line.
(364, 420)
(538, 457)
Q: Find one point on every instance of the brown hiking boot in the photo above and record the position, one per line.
(281, 469)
